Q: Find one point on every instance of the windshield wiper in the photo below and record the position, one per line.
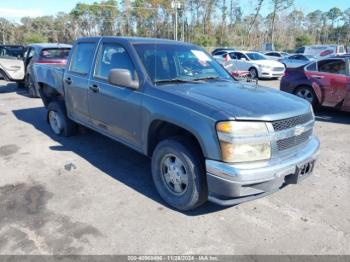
(174, 80)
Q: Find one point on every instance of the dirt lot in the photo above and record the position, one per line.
(89, 195)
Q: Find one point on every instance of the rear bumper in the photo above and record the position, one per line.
(230, 184)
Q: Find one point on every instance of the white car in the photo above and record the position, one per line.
(11, 63)
(256, 63)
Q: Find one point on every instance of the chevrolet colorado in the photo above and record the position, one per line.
(209, 137)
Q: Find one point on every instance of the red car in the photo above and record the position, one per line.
(323, 83)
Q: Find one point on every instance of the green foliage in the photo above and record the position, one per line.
(302, 41)
(31, 38)
(204, 41)
(334, 13)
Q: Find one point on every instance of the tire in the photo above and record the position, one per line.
(308, 94)
(60, 124)
(29, 83)
(191, 192)
(254, 73)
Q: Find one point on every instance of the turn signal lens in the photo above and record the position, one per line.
(225, 127)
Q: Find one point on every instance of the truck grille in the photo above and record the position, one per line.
(293, 141)
(291, 122)
(278, 69)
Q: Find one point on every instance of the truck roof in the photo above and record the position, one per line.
(136, 40)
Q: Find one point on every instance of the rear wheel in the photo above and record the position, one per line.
(308, 94)
(178, 174)
(59, 122)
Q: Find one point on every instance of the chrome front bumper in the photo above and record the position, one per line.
(230, 184)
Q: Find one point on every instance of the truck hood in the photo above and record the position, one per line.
(242, 101)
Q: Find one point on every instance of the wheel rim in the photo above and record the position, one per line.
(306, 94)
(253, 73)
(174, 174)
(55, 122)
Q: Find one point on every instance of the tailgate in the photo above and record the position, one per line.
(51, 75)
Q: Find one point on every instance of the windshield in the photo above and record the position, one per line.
(256, 56)
(173, 62)
(12, 52)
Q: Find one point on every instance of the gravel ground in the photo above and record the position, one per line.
(89, 195)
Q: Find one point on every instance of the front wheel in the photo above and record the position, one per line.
(253, 73)
(178, 174)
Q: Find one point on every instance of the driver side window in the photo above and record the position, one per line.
(112, 56)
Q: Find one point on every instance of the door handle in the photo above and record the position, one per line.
(317, 77)
(95, 88)
(68, 81)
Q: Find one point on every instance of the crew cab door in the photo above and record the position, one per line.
(76, 80)
(331, 78)
(115, 110)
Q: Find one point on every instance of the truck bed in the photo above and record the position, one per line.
(50, 75)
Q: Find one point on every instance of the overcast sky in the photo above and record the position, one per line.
(14, 9)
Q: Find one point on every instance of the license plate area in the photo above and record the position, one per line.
(302, 171)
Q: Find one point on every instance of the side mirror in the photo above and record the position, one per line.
(122, 77)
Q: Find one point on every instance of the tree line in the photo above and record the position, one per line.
(205, 22)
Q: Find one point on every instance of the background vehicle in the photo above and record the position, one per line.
(297, 60)
(256, 63)
(42, 54)
(322, 51)
(172, 102)
(276, 55)
(268, 47)
(325, 82)
(222, 51)
(11, 63)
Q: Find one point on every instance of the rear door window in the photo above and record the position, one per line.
(241, 56)
(82, 58)
(333, 66)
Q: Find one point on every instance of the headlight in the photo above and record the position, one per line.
(244, 141)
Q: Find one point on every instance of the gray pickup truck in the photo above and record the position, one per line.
(209, 136)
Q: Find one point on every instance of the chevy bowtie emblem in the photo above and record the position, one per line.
(298, 130)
